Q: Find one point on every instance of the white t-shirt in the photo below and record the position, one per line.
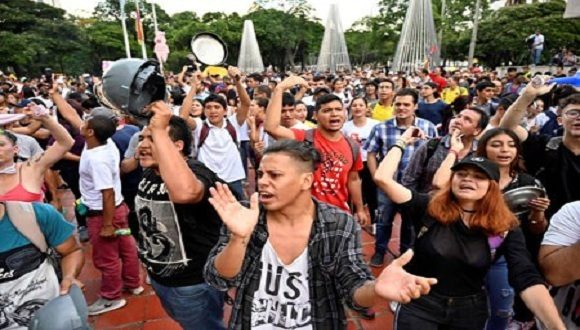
(282, 300)
(219, 152)
(538, 41)
(243, 131)
(564, 230)
(360, 134)
(99, 170)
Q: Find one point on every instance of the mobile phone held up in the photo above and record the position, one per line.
(48, 75)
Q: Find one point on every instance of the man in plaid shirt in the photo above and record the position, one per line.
(383, 137)
(295, 260)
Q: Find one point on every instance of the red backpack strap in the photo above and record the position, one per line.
(203, 134)
(354, 148)
(232, 130)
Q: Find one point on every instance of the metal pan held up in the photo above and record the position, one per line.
(209, 49)
(518, 199)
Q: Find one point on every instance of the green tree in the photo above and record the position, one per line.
(34, 36)
(503, 34)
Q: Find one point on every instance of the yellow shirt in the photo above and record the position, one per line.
(382, 113)
(310, 124)
(449, 95)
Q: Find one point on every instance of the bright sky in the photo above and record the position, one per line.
(350, 11)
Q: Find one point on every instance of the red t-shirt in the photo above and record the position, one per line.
(440, 81)
(331, 177)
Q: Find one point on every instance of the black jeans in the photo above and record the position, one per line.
(437, 312)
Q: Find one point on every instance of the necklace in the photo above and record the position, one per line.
(468, 211)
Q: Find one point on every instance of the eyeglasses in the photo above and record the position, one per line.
(572, 114)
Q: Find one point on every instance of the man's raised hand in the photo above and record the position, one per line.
(239, 220)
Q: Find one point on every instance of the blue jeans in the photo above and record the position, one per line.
(537, 54)
(198, 307)
(386, 211)
(245, 154)
(237, 189)
(501, 295)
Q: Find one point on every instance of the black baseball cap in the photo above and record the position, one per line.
(485, 165)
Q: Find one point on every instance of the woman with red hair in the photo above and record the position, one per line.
(459, 231)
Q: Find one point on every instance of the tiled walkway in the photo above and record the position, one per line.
(145, 311)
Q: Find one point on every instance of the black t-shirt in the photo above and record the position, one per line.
(460, 257)
(560, 174)
(175, 239)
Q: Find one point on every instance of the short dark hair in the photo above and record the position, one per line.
(262, 102)
(408, 92)
(217, 99)
(382, 80)
(483, 117)
(178, 131)
(318, 78)
(570, 99)
(264, 89)
(104, 127)
(324, 99)
(9, 135)
(483, 85)
(301, 151)
(288, 100)
(256, 76)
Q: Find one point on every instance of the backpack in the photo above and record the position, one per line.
(354, 147)
(204, 133)
(23, 218)
(432, 145)
(551, 155)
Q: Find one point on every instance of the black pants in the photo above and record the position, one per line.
(437, 312)
(369, 191)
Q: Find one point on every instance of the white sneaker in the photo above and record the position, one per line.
(103, 305)
(135, 291)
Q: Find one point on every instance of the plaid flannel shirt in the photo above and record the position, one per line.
(420, 171)
(384, 135)
(335, 268)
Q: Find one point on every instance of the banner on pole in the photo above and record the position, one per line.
(138, 24)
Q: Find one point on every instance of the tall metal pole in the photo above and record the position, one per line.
(474, 34)
(441, 27)
(124, 25)
(154, 17)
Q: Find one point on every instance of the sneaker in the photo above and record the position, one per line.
(377, 260)
(83, 234)
(103, 305)
(135, 291)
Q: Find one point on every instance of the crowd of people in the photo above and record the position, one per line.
(262, 183)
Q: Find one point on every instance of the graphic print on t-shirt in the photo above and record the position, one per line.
(330, 171)
(282, 300)
(27, 282)
(160, 242)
